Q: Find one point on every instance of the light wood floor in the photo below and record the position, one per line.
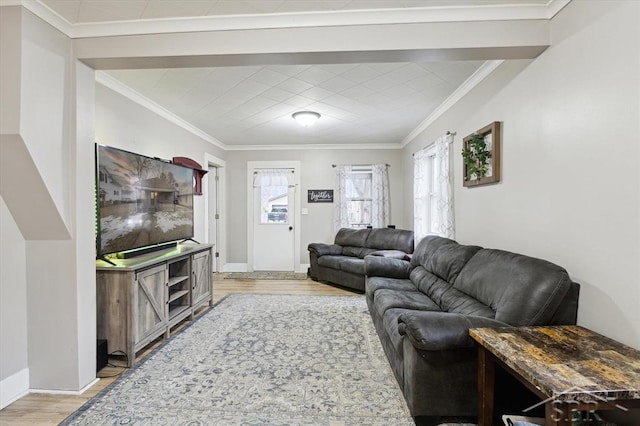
(48, 409)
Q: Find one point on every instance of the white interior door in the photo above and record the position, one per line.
(273, 224)
(214, 216)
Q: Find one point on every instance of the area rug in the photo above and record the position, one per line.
(261, 360)
(284, 276)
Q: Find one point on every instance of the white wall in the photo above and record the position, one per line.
(122, 123)
(44, 188)
(14, 371)
(316, 173)
(570, 191)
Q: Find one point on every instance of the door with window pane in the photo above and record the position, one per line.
(273, 220)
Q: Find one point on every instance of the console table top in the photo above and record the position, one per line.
(569, 363)
(150, 259)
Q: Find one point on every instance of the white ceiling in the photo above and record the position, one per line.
(361, 104)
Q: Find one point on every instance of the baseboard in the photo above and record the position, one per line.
(304, 267)
(234, 267)
(242, 267)
(66, 392)
(14, 387)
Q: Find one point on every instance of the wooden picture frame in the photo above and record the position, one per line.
(491, 136)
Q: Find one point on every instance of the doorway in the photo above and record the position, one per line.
(214, 220)
(214, 214)
(273, 201)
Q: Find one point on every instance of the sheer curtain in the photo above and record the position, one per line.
(273, 184)
(379, 196)
(341, 202)
(432, 190)
(422, 164)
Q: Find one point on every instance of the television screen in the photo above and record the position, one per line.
(142, 201)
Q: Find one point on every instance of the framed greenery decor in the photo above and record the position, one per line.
(481, 156)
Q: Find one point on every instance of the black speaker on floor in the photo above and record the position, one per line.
(102, 356)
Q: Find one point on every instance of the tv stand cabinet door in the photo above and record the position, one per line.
(149, 316)
(201, 283)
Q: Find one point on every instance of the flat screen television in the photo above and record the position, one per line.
(140, 201)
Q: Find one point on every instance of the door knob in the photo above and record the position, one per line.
(291, 228)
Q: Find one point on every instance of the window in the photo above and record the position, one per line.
(274, 194)
(362, 197)
(358, 198)
(433, 201)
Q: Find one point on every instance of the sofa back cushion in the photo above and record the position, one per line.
(390, 239)
(448, 298)
(352, 237)
(442, 257)
(360, 252)
(522, 290)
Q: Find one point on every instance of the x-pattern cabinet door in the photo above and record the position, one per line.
(201, 285)
(149, 300)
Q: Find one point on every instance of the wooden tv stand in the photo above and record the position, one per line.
(142, 298)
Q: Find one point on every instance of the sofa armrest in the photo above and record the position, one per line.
(378, 266)
(392, 254)
(321, 249)
(435, 331)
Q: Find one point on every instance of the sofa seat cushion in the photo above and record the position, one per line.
(332, 262)
(385, 299)
(374, 284)
(355, 265)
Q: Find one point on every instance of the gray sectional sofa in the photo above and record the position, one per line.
(342, 263)
(423, 309)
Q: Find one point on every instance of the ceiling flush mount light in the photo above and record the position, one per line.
(305, 118)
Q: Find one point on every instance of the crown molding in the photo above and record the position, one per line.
(555, 6)
(295, 20)
(311, 147)
(474, 79)
(44, 13)
(117, 86)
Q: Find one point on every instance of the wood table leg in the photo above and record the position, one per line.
(486, 384)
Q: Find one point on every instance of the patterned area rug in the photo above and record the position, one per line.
(261, 360)
(264, 275)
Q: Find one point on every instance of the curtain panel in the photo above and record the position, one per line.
(433, 192)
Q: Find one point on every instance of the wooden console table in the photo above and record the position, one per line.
(142, 298)
(569, 367)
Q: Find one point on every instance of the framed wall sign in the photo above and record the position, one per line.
(481, 156)
(320, 195)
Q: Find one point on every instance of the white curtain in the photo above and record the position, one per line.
(274, 186)
(432, 189)
(379, 196)
(421, 167)
(341, 202)
(444, 190)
